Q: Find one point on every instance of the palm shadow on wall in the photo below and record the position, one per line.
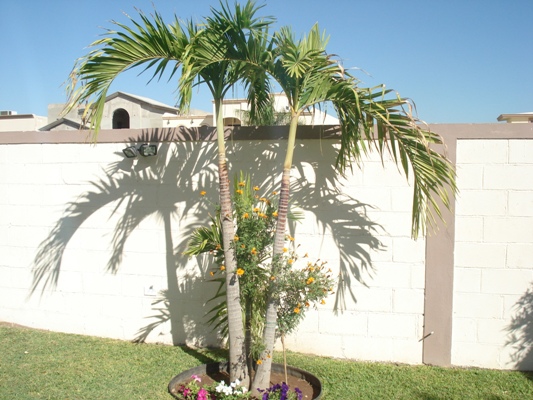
(520, 333)
(169, 175)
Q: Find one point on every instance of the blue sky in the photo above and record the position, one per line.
(459, 60)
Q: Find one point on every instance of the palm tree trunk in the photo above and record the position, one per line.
(237, 354)
(262, 375)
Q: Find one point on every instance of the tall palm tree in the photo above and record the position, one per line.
(218, 53)
(370, 118)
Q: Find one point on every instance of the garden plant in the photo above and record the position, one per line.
(235, 45)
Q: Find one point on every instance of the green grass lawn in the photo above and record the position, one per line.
(38, 364)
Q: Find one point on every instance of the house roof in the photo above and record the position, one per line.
(62, 121)
(516, 116)
(140, 99)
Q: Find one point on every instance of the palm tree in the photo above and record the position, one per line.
(370, 118)
(218, 53)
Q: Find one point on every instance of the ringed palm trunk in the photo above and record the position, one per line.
(237, 355)
(262, 375)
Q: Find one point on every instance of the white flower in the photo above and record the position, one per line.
(220, 387)
(228, 390)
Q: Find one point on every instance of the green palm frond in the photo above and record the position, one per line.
(150, 43)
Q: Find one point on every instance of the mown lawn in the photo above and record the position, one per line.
(37, 364)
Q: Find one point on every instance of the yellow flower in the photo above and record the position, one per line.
(202, 193)
(242, 246)
(256, 209)
(236, 238)
(246, 215)
(275, 214)
(259, 362)
(306, 255)
(256, 188)
(323, 301)
(285, 249)
(218, 247)
(254, 251)
(310, 280)
(239, 191)
(240, 271)
(222, 267)
(289, 237)
(262, 199)
(211, 273)
(307, 304)
(290, 261)
(297, 310)
(242, 184)
(274, 193)
(272, 278)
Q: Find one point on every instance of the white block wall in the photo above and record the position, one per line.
(61, 205)
(493, 300)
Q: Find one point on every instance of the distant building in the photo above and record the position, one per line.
(128, 111)
(235, 110)
(10, 121)
(517, 118)
(121, 111)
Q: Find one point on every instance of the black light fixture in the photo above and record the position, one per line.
(148, 150)
(130, 152)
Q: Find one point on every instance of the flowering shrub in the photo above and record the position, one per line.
(296, 285)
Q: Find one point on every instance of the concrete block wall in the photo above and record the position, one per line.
(66, 207)
(492, 321)
(103, 235)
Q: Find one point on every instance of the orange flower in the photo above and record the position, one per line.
(222, 268)
(240, 271)
(297, 310)
(272, 278)
(259, 362)
(307, 304)
(202, 193)
(310, 280)
(211, 273)
(218, 247)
